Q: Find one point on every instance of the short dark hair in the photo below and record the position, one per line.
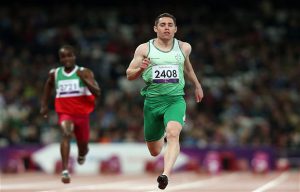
(69, 47)
(164, 15)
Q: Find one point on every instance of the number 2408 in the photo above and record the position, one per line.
(165, 73)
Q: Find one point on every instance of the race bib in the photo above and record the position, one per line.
(165, 74)
(68, 86)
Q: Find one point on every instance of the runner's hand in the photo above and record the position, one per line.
(145, 63)
(44, 112)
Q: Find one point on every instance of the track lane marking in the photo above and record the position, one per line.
(273, 183)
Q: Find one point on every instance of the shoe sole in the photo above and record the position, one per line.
(65, 180)
(162, 183)
(81, 161)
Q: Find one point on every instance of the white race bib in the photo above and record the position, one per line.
(165, 74)
(68, 86)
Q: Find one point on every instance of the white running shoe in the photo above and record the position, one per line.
(65, 176)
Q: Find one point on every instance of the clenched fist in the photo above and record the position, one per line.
(145, 63)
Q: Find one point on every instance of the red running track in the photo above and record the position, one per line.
(183, 182)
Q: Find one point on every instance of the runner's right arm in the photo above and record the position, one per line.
(48, 87)
(139, 62)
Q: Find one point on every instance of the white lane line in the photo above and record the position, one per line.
(273, 183)
(135, 185)
(47, 191)
(18, 178)
(35, 185)
(125, 184)
(197, 184)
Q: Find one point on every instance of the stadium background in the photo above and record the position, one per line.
(246, 55)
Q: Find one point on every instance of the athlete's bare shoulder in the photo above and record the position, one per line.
(85, 72)
(52, 71)
(185, 47)
(85, 69)
(51, 75)
(142, 49)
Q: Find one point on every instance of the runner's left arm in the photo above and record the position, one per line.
(189, 72)
(87, 76)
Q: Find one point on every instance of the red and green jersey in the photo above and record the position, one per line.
(72, 96)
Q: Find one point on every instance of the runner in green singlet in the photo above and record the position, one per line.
(162, 63)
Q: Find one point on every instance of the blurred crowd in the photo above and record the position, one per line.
(247, 59)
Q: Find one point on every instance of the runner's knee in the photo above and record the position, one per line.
(155, 152)
(155, 147)
(172, 134)
(67, 128)
(173, 130)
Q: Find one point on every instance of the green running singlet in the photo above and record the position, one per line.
(163, 92)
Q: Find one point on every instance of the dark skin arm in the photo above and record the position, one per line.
(49, 85)
(87, 76)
